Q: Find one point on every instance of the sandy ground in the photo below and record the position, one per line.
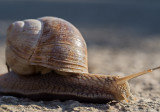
(122, 38)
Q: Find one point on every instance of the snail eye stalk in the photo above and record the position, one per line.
(129, 77)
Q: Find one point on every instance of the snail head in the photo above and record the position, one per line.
(122, 83)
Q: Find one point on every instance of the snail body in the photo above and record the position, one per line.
(82, 87)
(55, 48)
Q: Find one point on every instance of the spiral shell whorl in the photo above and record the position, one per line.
(48, 43)
(22, 37)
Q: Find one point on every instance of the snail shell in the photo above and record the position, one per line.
(45, 44)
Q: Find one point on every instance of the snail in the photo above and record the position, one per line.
(47, 59)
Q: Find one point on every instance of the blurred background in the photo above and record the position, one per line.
(105, 24)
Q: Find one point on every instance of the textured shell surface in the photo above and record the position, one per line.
(48, 42)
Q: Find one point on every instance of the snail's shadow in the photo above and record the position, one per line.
(68, 105)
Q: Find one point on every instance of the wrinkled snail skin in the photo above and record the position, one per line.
(82, 87)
